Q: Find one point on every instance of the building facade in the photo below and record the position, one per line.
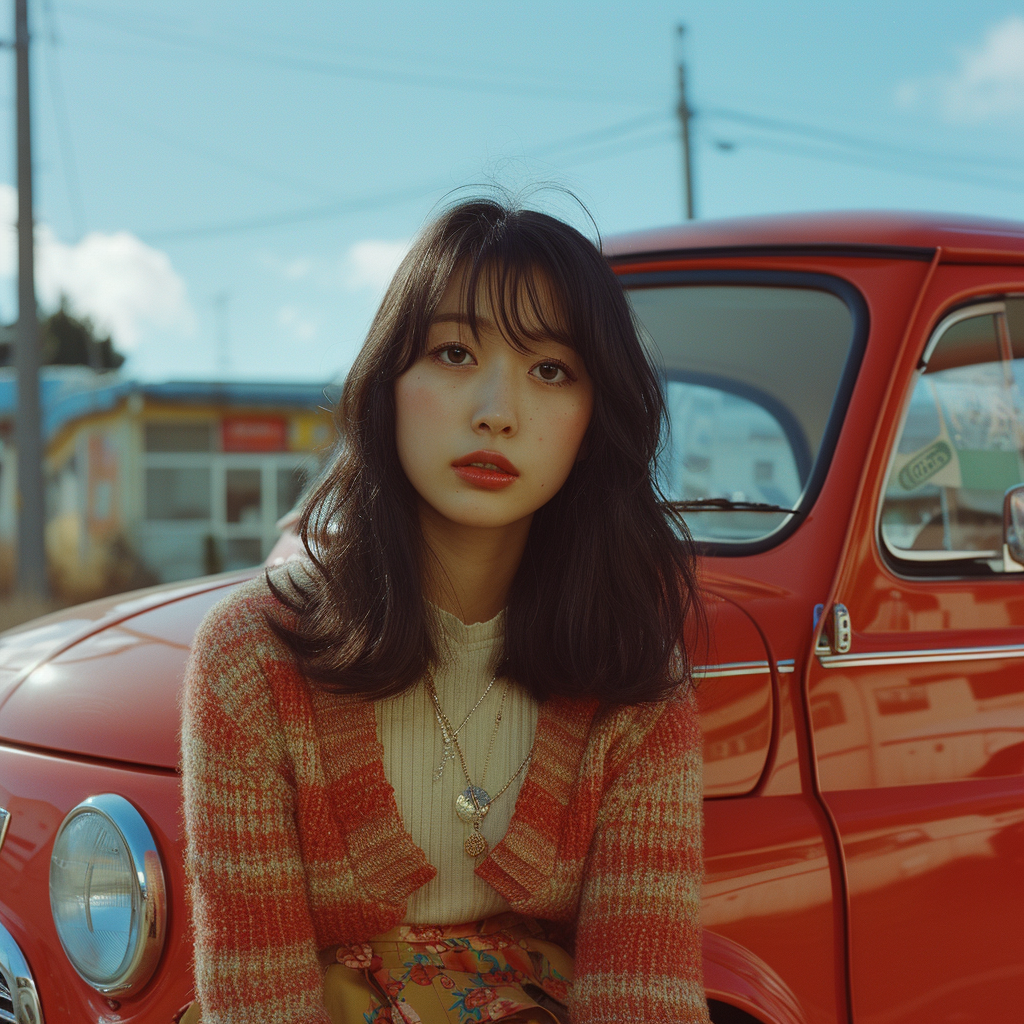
(168, 481)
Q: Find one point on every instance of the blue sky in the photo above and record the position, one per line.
(226, 185)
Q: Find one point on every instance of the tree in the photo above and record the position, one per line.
(66, 340)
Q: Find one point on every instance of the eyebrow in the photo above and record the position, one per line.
(485, 324)
(461, 318)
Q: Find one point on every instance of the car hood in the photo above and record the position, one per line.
(102, 680)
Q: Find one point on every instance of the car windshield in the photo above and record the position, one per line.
(752, 373)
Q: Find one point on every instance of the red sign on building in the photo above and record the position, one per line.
(254, 434)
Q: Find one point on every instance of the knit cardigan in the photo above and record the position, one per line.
(295, 842)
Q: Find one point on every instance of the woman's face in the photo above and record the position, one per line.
(487, 434)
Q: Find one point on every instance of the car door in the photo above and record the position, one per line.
(918, 724)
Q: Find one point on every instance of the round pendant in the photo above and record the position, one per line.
(475, 844)
(467, 809)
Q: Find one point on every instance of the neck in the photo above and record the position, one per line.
(473, 567)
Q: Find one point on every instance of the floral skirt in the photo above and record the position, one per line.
(501, 968)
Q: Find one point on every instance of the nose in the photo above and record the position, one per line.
(496, 405)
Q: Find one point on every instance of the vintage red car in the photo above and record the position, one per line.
(846, 395)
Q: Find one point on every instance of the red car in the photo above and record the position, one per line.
(846, 396)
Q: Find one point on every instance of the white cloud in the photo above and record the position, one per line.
(294, 270)
(297, 323)
(989, 81)
(291, 270)
(372, 263)
(124, 285)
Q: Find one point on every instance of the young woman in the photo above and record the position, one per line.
(447, 768)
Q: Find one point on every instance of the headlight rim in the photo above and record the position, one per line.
(147, 939)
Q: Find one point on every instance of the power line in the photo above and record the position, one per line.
(626, 136)
(371, 201)
(63, 124)
(393, 197)
(264, 57)
(588, 147)
(832, 156)
(217, 156)
(600, 134)
(844, 139)
(301, 43)
(661, 138)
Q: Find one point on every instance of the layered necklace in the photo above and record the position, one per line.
(473, 803)
(447, 733)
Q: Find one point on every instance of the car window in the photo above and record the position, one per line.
(961, 445)
(752, 374)
(721, 444)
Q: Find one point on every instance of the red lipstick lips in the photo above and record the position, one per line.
(488, 470)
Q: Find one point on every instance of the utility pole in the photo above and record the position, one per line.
(32, 580)
(685, 113)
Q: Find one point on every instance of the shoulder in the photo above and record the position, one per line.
(238, 625)
(661, 731)
(235, 651)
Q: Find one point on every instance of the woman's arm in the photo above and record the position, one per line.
(255, 949)
(638, 932)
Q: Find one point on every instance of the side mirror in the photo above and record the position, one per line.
(1013, 529)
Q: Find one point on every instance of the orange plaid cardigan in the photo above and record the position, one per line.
(295, 843)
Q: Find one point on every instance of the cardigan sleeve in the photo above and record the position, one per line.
(638, 931)
(255, 949)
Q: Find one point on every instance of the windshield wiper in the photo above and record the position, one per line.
(728, 505)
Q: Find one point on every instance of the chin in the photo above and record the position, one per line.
(485, 518)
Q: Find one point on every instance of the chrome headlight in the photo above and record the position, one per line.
(107, 894)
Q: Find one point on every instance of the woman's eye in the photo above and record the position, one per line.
(454, 355)
(551, 373)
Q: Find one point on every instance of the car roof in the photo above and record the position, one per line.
(863, 232)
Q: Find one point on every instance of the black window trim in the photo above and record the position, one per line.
(858, 307)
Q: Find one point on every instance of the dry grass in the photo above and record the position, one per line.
(113, 568)
(14, 609)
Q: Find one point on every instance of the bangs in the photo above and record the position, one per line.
(527, 305)
(538, 278)
(541, 280)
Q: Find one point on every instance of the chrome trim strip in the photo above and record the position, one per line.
(922, 657)
(731, 668)
(741, 668)
(942, 556)
(5, 820)
(14, 967)
(964, 313)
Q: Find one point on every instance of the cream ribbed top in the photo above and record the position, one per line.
(413, 747)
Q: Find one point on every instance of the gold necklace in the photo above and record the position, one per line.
(473, 803)
(448, 735)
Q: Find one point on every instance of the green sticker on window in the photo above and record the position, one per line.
(924, 466)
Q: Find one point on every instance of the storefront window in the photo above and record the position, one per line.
(242, 496)
(178, 493)
(290, 482)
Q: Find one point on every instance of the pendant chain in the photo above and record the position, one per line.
(448, 734)
(473, 804)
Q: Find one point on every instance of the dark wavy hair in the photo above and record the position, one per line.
(607, 584)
